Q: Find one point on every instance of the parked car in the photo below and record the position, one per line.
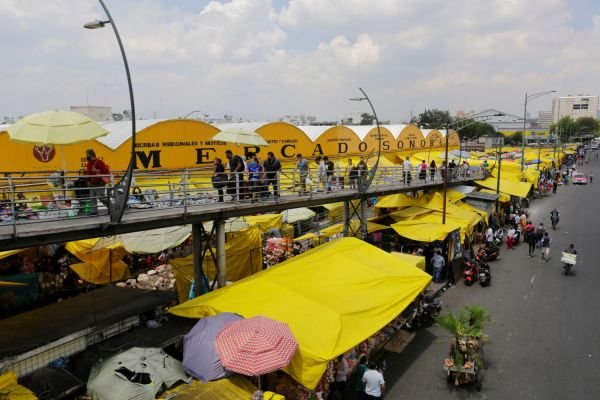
(579, 178)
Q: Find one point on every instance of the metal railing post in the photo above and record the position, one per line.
(237, 187)
(12, 205)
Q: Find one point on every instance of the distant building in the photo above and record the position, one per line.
(574, 106)
(353, 118)
(301, 119)
(96, 113)
(544, 119)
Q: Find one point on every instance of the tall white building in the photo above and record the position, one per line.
(544, 119)
(574, 106)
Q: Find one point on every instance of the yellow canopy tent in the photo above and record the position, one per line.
(265, 222)
(297, 214)
(8, 253)
(347, 289)
(418, 261)
(504, 198)
(469, 207)
(396, 201)
(408, 213)
(435, 217)
(354, 227)
(423, 231)
(243, 252)
(307, 236)
(514, 188)
(234, 387)
(11, 390)
(101, 260)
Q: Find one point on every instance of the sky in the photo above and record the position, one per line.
(263, 59)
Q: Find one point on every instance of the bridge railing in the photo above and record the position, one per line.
(31, 198)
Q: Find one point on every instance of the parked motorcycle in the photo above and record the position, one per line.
(485, 275)
(498, 237)
(488, 253)
(517, 237)
(470, 272)
(428, 309)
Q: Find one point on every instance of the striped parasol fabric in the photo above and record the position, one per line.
(256, 346)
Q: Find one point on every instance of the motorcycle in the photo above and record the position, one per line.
(554, 222)
(517, 237)
(470, 272)
(488, 253)
(498, 237)
(485, 275)
(425, 312)
(569, 260)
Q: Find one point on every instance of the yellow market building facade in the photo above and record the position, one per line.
(185, 143)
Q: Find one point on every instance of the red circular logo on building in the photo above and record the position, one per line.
(44, 153)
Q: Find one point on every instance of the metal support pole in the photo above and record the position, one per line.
(539, 153)
(363, 218)
(446, 175)
(197, 233)
(221, 258)
(346, 217)
(499, 164)
(523, 136)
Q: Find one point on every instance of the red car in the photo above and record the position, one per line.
(579, 178)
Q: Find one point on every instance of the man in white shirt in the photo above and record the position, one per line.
(374, 383)
(489, 235)
(406, 166)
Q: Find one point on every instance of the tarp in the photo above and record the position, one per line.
(468, 207)
(297, 214)
(231, 388)
(354, 227)
(101, 263)
(231, 225)
(333, 298)
(396, 201)
(418, 261)
(243, 253)
(422, 231)
(155, 240)
(265, 222)
(307, 236)
(408, 212)
(514, 188)
(4, 254)
(11, 390)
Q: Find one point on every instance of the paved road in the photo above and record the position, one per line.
(545, 338)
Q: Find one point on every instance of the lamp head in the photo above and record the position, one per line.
(96, 24)
(357, 99)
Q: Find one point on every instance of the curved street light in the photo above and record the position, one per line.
(364, 186)
(117, 198)
(529, 98)
(205, 115)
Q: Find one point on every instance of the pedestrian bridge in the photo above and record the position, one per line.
(38, 209)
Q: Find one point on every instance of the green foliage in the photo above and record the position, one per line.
(433, 119)
(474, 129)
(514, 139)
(585, 125)
(366, 119)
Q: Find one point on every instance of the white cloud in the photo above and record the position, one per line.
(256, 59)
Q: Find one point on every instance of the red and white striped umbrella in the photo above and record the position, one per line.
(256, 346)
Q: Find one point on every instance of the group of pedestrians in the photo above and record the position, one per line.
(260, 176)
(327, 175)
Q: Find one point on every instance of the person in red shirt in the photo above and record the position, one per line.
(98, 172)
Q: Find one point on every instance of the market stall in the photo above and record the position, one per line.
(327, 281)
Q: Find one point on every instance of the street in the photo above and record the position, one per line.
(544, 338)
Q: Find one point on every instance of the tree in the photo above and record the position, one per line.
(564, 128)
(434, 118)
(585, 125)
(515, 138)
(366, 119)
(473, 129)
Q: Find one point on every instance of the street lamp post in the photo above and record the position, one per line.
(364, 184)
(120, 192)
(528, 98)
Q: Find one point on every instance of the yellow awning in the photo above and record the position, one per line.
(354, 227)
(418, 261)
(265, 222)
(8, 253)
(512, 187)
(468, 207)
(307, 236)
(422, 231)
(11, 390)
(396, 201)
(234, 387)
(332, 297)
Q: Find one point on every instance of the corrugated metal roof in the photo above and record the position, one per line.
(120, 131)
(314, 131)
(249, 126)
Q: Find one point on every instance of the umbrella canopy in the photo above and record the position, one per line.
(200, 357)
(56, 128)
(240, 136)
(136, 374)
(256, 346)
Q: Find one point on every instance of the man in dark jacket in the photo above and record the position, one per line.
(236, 169)
(272, 167)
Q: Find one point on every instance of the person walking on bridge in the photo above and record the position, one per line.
(272, 168)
